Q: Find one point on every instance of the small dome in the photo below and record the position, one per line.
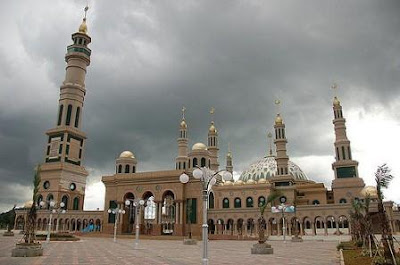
(126, 154)
(83, 27)
(336, 102)
(250, 181)
(262, 181)
(212, 128)
(28, 204)
(228, 183)
(239, 182)
(369, 190)
(278, 119)
(183, 124)
(199, 146)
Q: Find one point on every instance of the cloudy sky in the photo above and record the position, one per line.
(149, 58)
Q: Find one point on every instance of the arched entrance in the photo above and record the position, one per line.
(211, 226)
(128, 219)
(20, 223)
(168, 213)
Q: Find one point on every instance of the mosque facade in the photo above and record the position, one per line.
(174, 208)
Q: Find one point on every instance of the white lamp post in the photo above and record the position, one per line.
(58, 211)
(117, 212)
(52, 209)
(207, 178)
(282, 208)
(138, 203)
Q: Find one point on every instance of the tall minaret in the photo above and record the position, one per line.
(63, 178)
(282, 177)
(345, 168)
(182, 160)
(213, 143)
(229, 165)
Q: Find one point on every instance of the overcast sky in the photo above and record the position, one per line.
(149, 58)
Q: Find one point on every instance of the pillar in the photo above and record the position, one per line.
(181, 213)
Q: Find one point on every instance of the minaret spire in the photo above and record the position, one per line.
(182, 160)
(269, 135)
(345, 168)
(213, 143)
(229, 165)
(63, 171)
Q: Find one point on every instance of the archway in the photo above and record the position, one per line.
(307, 226)
(240, 226)
(168, 212)
(331, 225)
(319, 225)
(250, 226)
(149, 213)
(98, 225)
(128, 219)
(229, 226)
(211, 226)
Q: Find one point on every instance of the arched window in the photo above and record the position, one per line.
(126, 168)
(349, 152)
(78, 112)
(76, 203)
(39, 199)
(65, 201)
(249, 202)
(343, 200)
(120, 169)
(225, 203)
(184, 165)
(49, 198)
(69, 112)
(315, 202)
(203, 162)
(238, 203)
(261, 201)
(133, 169)
(211, 201)
(343, 153)
(194, 162)
(337, 153)
(60, 112)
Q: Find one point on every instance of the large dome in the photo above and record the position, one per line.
(266, 168)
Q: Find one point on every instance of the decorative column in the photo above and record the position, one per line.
(181, 213)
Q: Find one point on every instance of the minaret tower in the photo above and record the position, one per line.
(229, 165)
(345, 168)
(282, 177)
(63, 178)
(213, 143)
(182, 160)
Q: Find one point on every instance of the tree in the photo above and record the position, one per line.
(261, 221)
(383, 178)
(29, 235)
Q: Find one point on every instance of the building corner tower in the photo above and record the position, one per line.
(182, 160)
(63, 178)
(213, 144)
(347, 184)
(229, 164)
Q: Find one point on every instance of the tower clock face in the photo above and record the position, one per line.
(46, 185)
(72, 186)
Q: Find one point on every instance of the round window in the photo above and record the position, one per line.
(46, 185)
(72, 186)
(282, 199)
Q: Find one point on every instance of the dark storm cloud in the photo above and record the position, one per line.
(151, 58)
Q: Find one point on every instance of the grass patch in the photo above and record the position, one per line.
(354, 257)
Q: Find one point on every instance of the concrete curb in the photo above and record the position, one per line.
(341, 257)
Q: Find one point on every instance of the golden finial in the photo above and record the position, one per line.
(83, 26)
(269, 135)
(212, 110)
(335, 99)
(183, 112)
(278, 104)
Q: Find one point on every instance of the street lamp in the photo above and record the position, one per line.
(282, 208)
(58, 211)
(137, 204)
(52, 209)
(207, 178)
(117, 212)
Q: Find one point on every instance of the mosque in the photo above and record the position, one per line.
(174, 208)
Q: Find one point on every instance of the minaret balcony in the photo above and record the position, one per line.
(74, 48)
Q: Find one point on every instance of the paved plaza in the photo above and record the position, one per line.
(102, 250)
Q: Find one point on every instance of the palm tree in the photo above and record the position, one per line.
(383, 178)
(29, 236)
(261, 221)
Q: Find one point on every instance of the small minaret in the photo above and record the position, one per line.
(280, 143)
(213, 143)
(63, 178)
(345, 168)
(270, 153)
(182, 160)
(229, 165)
